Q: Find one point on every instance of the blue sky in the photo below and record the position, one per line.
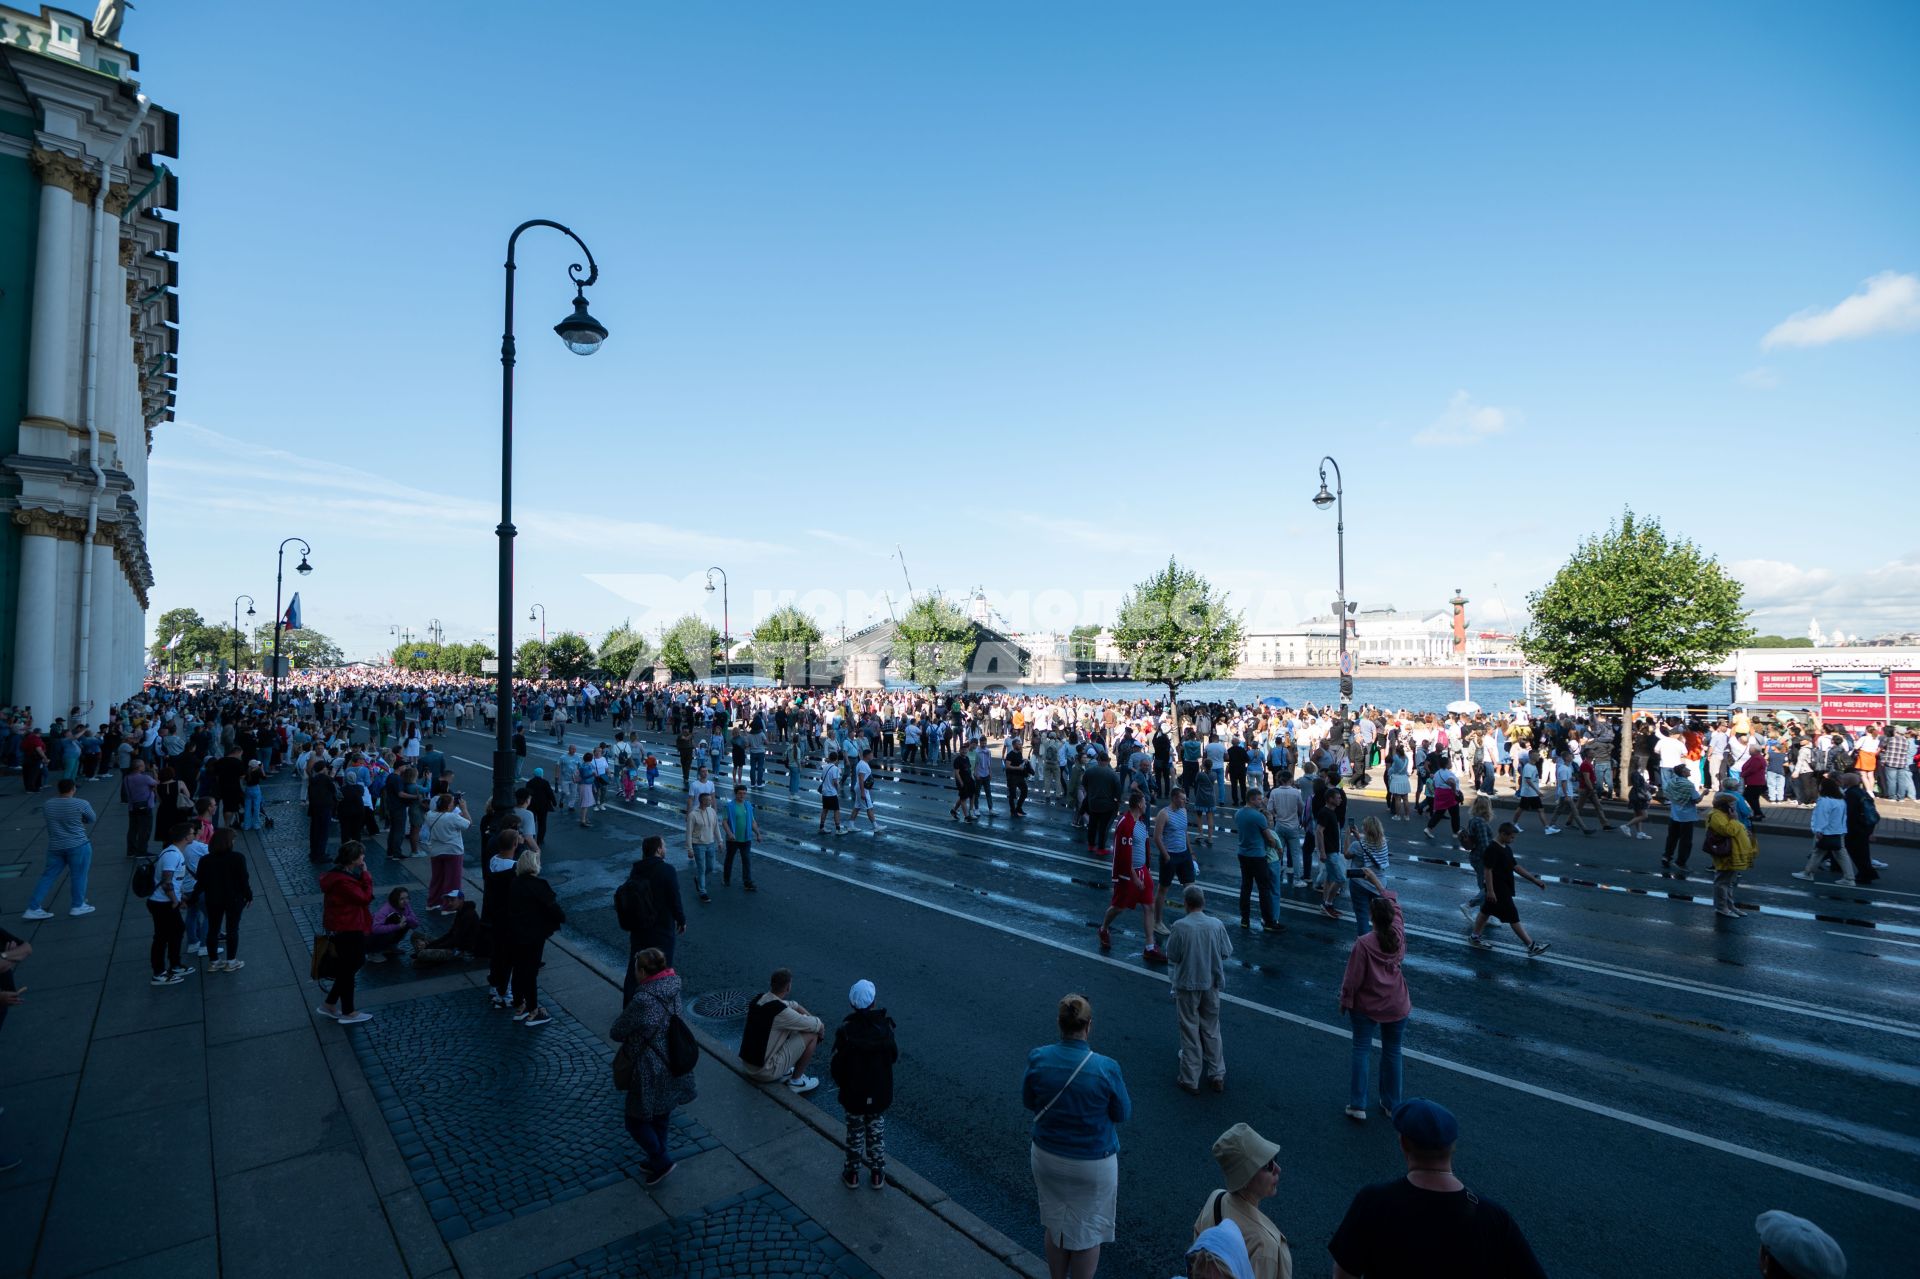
(1041, 293)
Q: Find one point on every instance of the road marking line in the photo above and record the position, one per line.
(1891, 941)
(1345, 1033)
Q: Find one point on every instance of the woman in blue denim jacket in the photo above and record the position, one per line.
(1077, 1097)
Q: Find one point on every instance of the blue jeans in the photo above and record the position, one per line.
(793, 779)
(1776, 788)
(652, 1136)
(1290, 840)
(758, 764)
(250, 814)
(1899, 783)
(703, 861)
(76, 861)
(1362, 895)
(1390, 1032)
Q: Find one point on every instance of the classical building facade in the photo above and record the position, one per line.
(88, 345)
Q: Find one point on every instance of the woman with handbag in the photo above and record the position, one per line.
(348, 918)
(652, 1089)
(1730, 846)
(1077, 1096)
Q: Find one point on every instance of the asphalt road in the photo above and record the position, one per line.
(1635, 1097)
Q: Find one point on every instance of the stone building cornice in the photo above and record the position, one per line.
(69, 173)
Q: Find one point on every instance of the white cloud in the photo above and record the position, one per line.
(1887, 303)
(1467, 422)
(1783, 595)
(1761, 378)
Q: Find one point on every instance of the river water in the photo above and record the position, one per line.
(1494, 692)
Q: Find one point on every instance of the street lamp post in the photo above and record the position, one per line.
(541, 611)
(726, 626)
(1338, 500)
(279, 619)
(235, 668)
(583, 335)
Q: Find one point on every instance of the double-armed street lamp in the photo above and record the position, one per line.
(279, 618)
(582, 335)
(1337, 499)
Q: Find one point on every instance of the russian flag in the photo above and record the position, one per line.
(291, 619)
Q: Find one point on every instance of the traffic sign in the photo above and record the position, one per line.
(1346, 665)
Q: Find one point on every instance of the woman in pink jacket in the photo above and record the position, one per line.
(1374, 993)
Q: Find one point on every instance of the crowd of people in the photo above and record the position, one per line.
(1146, 788)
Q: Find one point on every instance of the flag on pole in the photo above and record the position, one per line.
(175, 641)
(291, 620)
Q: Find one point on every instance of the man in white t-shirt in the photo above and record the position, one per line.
(702, 784)
(863, 790)
(166, 904)
(1670, 749)
(830, 792)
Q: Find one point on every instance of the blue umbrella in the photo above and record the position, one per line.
(1278, 703)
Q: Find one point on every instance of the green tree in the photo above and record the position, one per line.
(783, 639)
(1175, 629)
(1634, 610)
(531, 659)
(570, 656)
(473, 658)
(189, 626)
(622, 651)
(1081, 641)
(933, 641)
(305, 648)
(688, 649)
(1778, 641)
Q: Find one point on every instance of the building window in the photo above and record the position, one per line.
(993, 666)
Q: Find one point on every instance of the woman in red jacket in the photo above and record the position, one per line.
(348, 916)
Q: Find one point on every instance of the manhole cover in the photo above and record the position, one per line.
(721, 1005)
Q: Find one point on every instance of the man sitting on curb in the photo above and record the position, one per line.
(781, 1037)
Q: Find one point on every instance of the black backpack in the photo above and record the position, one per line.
(681, 1051)
(634, 907)
(145, 879)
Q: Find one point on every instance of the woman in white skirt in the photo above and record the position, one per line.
(1077, 1097)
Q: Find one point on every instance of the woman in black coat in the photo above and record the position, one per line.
(225, 891)
(533, 915)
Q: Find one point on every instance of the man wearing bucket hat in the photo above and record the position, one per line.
(1249, 1165)
(1794, 1248)
(1428, 1223)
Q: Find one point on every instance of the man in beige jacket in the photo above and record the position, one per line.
(703, 842)
(781, 1036)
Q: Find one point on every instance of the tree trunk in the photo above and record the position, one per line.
(1173, 709)
(1624, 751)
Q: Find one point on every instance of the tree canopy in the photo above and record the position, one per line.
(1175, 629)
(1634, 610)
(932, 642)
(201, 642)
(569, 656)
(782, 639)
(689, 646)
(306, 647)
(451, 659)
(622, 650)
(1082, 641)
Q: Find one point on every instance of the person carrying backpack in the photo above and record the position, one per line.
(862, 1068)
(652, 1037)
(648, 907)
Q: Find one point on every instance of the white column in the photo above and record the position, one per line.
(34, 628)
(103, 683)
(49, 368)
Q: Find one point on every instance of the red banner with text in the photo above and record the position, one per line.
(1903, 690)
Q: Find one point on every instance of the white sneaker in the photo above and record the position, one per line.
(1640, 834)
(36, 914)
(217, 966)
(1354, 1112)
(1551, 830)
(1626, 832)
(803, 1083)
(325, 1011)
(1801, 874)
(82, 909)
(354, 1019)
(1845, 883)
(235, 965)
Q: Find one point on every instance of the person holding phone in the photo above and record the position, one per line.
(1368, 856)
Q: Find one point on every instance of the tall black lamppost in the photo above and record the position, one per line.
(235, 667)
(583, 335)
(279, 619)
(726, 626)
(1337, 500)
(540, 611)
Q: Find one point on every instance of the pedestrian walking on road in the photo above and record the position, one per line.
(703, 843)
(533, 915)
(1369, 856)
(69, 849)
(1683, 814)
(225, 891)
(1476, 839)
(1132, 880)
(1428, 1223)
(1498, 881)
(829, 788)
(648, 907)
(1862, 816)
(1198, 948)
(348, 918)
(1078, 1098)
(1251, 832)
(780, 1036)
(1829, 828)
(741, 827)
(654, 1091)
(1374, 994)
(1730, 845)
(1250, 1166)
(864, 1051)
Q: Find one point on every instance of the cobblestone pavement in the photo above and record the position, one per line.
(752, 1234)
(496, 1121)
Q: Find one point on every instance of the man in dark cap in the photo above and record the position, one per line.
(1427, 1224)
